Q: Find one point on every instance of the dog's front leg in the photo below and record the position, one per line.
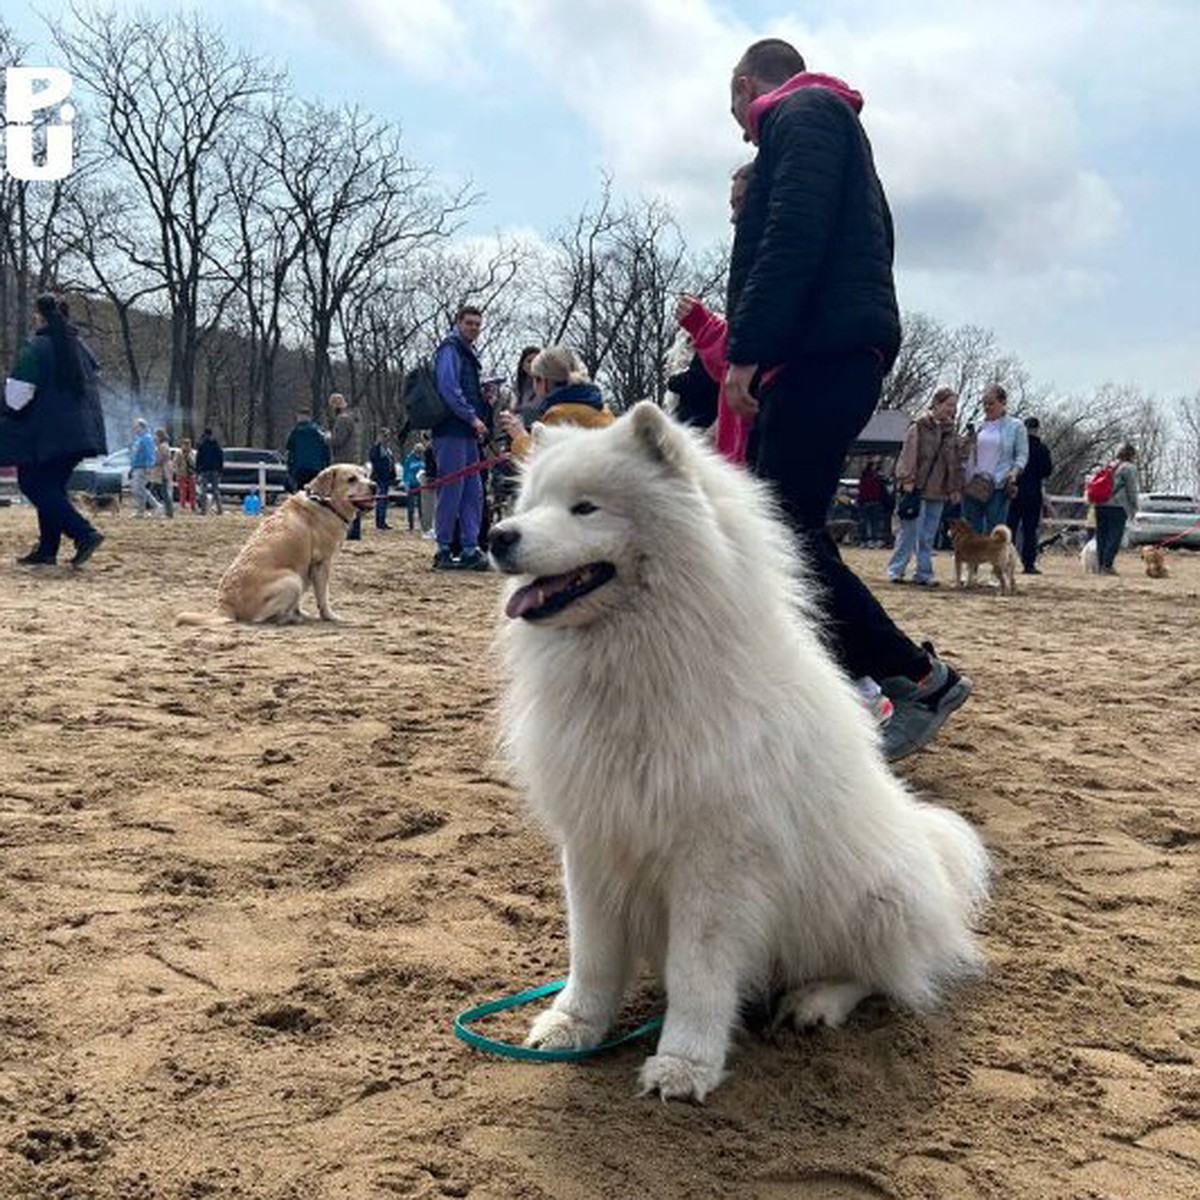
(600, 962)
(320, 585)
(703, 968)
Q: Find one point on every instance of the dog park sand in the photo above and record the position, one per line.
(247, 878)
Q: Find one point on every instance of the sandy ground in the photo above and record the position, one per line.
(248, 877)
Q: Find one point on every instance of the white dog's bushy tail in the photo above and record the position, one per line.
(962, 856)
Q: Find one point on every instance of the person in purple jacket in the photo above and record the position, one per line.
(456, 443)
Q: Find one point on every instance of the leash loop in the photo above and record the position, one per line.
(466, 1018)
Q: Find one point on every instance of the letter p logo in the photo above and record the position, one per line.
(27, 91)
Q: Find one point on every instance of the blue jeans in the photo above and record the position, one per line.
(983, 518)
(917, 535)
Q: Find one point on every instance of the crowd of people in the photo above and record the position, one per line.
(786, 379)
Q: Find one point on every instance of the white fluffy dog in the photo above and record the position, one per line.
(717, 788)
(1089, 557)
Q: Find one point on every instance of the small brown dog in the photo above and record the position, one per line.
(1155, 558)
(110, 502)
(290, 551)
(974, 549)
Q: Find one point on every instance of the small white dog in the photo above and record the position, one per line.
(717, 787)
(1089, 559)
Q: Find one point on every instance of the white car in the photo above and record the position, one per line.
(1166, 517)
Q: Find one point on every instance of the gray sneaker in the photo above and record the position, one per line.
(921, 708)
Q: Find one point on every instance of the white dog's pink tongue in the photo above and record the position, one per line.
(533, 595)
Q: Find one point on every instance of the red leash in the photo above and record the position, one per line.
(1176, 536)
(463, 472)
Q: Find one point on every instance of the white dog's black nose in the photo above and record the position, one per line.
(501, 542)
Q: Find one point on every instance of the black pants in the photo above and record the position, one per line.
(810, 414)
(45, 486)
(1024, 516)
(1110, 528)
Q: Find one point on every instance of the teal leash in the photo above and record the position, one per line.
(468, 1017)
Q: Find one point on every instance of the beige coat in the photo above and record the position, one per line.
(931, 458)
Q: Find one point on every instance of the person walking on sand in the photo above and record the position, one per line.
(210, 462)
(456, 442)
(51, 418)
(185, 473)
(1113, 514)
(345, 446)
(811, 293)
(142, 457)
(162, 481)
(928, 473)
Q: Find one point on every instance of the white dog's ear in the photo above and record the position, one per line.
(656, 433)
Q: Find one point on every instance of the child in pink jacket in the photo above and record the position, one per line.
(709, 333)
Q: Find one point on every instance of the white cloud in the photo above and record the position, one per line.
(427, 38)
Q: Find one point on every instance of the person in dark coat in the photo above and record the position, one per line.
(307, 451)
(813, 328)
(210, 462)
(47, 437)
(383, 472)
(1025, 511)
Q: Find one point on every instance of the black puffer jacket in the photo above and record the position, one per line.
(811, 269)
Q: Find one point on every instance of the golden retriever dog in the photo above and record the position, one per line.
(291, 550)
(1155, 558)
(973, 549)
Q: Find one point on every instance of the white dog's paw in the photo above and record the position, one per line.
(558, 1030)
(820, 1003)
(675, 1078)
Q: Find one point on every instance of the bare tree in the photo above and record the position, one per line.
(169, 93)
(358, 206)
(920, 367)
(32, 245)
(1187, 454)
(608, 291)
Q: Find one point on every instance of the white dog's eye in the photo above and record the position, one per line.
(583, 508)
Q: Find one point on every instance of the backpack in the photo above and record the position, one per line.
(1099, 486)
(422, 400)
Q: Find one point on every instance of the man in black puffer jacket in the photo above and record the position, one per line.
(811, 294)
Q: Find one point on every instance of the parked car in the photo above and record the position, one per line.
(103, 475)
(240, 476)
(1166, 516)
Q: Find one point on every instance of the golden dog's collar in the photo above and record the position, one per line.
(325, 503)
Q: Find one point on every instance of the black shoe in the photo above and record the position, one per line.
(474, 562)
(443, 560)
(35, 558)
(1030, 571)
(86, 548)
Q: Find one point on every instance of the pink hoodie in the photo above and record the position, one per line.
(709, 336)
(806, 79)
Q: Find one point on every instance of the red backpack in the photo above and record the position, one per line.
(1099, 486)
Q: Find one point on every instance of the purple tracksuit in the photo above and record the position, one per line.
(459, 502)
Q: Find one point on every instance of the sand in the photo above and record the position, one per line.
(248, 877)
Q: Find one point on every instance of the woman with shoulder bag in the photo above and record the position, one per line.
(51, 419)
(998, 457)
(928, 472)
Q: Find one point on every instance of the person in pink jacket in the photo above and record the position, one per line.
(709, 334)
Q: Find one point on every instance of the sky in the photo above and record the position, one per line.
(1040, 158)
